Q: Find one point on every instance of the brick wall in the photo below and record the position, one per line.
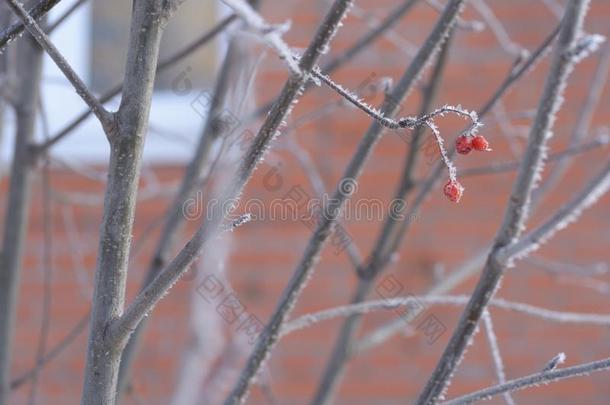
(442, 235)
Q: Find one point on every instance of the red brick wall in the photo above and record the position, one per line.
(264, 253)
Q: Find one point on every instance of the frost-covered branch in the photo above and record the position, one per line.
(393, 238)
(393, 17)
(566, 215)
(411, 122)
(497, 168)
(271, 34)
(498, 30)
(495, 354)
(581, 127)
(533, 380)
(305, 268)
(366, 307)
(31, 25)
(518, 204)
(367, 271)
(150, 296)
(28, 60)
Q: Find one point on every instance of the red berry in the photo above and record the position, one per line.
(480, 143)
(453, 190)
(463, 144)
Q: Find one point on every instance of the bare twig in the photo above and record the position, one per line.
(393, 17)
(497, 168)
(366, 307)
(582, 126)
(162, 66)
(55, 351)
(359, 46)
(562, 218)
(37, 12)
(495, 354)
(315, 179)
(271, 34)
(498, 30)
(533, 380)
(31, 25)
(343, 345)
(392, 242)
(453, 279)
(28, 62)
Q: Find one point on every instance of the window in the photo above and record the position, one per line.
(110, 33)
(94, 41)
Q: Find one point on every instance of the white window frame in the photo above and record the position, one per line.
(171, 111)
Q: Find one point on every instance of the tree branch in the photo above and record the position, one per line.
(518, 204)
(562, 218)
(98, 109)
(495, 354)
(343, 345)
(394, 235)
(303, 271)
(582, 126)
(174, 218)
(148, 298)
(366, 307)
(126, 143)
(37, 12)
(533, 380)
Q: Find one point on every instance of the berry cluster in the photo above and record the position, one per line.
(464, 144)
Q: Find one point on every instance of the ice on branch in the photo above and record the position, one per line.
(555, 361)
(586, 46)
(271, 34)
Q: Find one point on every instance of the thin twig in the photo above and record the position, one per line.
(37, 12)
(55, 351)
(47, 259)
(562, 218)
(581, 127)
(497, 168)
(366, 307)
(533, 380)
(162, 66)
(29, 64)
(271, 34)
(343, 346)
(498, 30)
(105, 117)
(495, 354)
(359, 46)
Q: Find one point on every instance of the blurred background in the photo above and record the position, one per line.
(192, 349)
